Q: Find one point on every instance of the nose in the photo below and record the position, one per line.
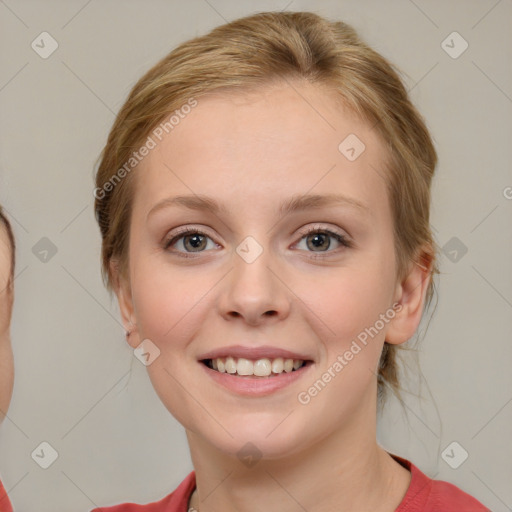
(254, 291)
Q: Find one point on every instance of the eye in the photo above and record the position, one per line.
(189, 240)
(319, 240)
(192, 240)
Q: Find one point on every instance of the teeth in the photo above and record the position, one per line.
(288, 365)
(244, 367)
(278, 365)
(261, 367)
(230, 365)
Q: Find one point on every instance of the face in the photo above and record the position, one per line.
(6, 298)
(266, 272)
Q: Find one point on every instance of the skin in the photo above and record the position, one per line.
(6, 301)
(251, 151)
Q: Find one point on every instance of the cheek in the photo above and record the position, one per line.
(349, 300)
(165, 300)
(349, 306)
(5, 267)
(6, 373)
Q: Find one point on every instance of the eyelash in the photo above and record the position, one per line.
(181, 233)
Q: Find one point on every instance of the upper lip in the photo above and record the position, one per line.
(264, 351)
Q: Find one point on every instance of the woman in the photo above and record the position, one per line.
(263, 200)
(6, 301)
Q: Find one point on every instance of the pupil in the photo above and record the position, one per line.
(318, 239)
(195, 241)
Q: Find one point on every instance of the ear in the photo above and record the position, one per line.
(410, 294)
(122, 289)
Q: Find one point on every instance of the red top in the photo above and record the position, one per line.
(423, 495)
(5, 504)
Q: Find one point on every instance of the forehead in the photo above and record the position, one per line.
(286, 136)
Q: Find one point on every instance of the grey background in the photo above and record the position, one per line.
(78, 386)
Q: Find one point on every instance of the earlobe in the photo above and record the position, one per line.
(410, 294)
(123, 293)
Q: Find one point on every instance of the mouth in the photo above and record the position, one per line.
(255, 368)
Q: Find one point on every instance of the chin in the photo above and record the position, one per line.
(265, 437)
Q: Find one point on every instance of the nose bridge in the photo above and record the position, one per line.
(253, 290)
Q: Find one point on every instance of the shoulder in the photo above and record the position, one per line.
(5, 504)
(427, 495)
(177, 501)
(445, 495)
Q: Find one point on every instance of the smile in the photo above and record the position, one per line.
(263, 367)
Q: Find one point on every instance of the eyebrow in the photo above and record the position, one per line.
(291, 205)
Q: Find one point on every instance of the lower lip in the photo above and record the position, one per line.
(256, 386)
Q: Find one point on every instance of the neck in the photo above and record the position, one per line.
(345, 471)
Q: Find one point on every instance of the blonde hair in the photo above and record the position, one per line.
(254, 51)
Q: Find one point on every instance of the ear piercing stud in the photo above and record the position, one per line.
(129, 331)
